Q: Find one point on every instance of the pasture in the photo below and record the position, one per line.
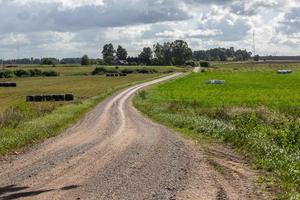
(256, 110)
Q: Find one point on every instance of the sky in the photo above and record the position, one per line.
(71, 28)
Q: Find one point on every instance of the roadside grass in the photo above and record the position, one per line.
(77, 70)
(256, 111)
(23, 124)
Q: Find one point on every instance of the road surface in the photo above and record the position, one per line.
(116, 153)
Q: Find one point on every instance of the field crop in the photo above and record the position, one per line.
(255, 110)
(23, 123)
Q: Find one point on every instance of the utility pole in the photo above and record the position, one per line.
(253, 44)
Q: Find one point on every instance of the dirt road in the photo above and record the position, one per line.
(116, 153)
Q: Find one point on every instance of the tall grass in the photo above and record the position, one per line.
(256, 111)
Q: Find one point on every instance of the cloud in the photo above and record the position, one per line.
(74, 27)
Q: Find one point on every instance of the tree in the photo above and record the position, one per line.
(158, 50)
(108, 53)
(146, 55)
(121, 53)
(167, 51)
(180, 52)
(85, 60)
(256, 58)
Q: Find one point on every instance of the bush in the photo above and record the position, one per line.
(21, 73)
(35, 72)
(6, 74)
(204, 64)
(191, 63)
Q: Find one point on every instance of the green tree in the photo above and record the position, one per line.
(85, 60)
(146, 56)
(168, 53)
(181, 52)
(108, 53)
(256, 58)
(121, 53)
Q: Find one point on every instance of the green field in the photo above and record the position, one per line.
(257, 111)
(23, 123)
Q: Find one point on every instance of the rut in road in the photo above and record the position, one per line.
(116, 153)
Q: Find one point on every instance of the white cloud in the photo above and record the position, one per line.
(74, 27)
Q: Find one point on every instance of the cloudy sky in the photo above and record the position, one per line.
(70, 28)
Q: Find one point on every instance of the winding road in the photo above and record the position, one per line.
(116, 153)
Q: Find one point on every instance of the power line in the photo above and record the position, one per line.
(253, 45)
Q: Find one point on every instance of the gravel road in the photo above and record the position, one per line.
(116, 153)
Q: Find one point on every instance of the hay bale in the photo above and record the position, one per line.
(284, 71)
(216, 82)
(48, 98)
(7, 84)
(69, 97)
(29, 98)
(38, 98)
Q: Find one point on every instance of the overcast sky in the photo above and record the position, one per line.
(70, 28)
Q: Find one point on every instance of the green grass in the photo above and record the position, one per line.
(256, 110)
(23, 124)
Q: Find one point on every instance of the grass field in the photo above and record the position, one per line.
(83, 87)
(23, 123)
(73, 70)
(256, 110)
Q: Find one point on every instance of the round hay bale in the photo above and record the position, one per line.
(29, 98)
(38, 98)
(216, 82)
(69, 97)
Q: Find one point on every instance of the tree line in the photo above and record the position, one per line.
(222, 54)
(168, 53)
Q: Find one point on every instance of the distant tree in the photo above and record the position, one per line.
(49, 61)
(158, 50)
(108, 53)
(256, 58)
(121, 53)
(180, 52)
(85, 60)
(167, 51)
(146, 55)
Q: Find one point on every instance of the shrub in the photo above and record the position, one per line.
(21, 73)
(6, 74)
(191, 63)
(204, 64)
(35, 72)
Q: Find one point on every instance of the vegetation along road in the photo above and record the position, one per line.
(116, 153)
